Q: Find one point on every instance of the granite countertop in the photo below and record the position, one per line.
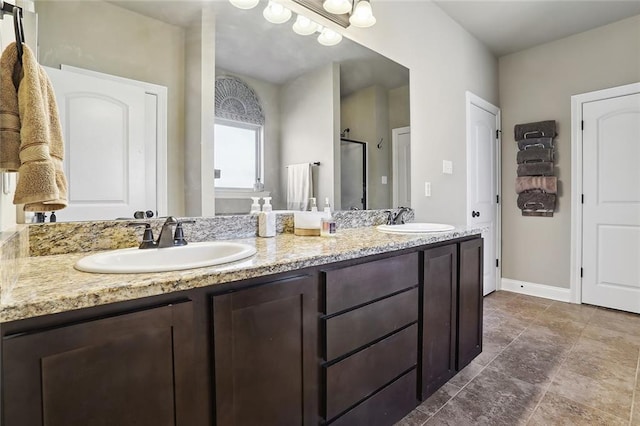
(50, 284)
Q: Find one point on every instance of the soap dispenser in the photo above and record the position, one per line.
(327, 206)
(312, 203)
(255, 207)
(267, 220)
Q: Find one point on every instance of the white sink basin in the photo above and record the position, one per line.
(193, 255)
(415, 228)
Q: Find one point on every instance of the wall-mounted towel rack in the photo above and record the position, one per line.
(317, 163)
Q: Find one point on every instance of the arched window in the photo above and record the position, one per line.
(238, 142)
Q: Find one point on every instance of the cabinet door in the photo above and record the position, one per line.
(132, 369)
(470, 302)
(438, 318)
(266, 354)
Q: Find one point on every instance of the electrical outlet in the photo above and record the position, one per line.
(427, 189)
(447, 167)
(384, 180)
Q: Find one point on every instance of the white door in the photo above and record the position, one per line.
(611, 209)
(482, 181)
(103, 124)
(401, 164)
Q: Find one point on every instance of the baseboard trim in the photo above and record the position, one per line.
(538, 290)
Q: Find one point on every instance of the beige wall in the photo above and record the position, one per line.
(269, 96)
(200, 61)
(537, 84)
(308, 127)
(399, 111)
(444, 61)
(103, 37)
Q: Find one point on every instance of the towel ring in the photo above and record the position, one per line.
(19, 30)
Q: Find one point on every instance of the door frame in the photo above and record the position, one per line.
(577, 102)
(394, 170)
(473, 99)
(161, 93)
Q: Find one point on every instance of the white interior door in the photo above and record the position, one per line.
(482, 181)
(611, 209)
(401, 164)
(103, 123)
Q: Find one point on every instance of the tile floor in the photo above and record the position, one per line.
(544, 363)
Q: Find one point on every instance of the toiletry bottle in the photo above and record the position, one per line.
(255, 207)
(327, 223)
(313, 205)
(267, 220)
(327, 206)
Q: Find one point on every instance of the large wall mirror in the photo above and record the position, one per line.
(132, 62)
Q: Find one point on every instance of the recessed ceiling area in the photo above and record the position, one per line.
(510, 26)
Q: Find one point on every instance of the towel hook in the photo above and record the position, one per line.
(380, 143)
(19, 30)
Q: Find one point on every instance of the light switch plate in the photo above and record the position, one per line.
(427, 189)
(447, 167)
(384, 180)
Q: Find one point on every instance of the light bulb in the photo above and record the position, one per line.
(304, 25)
(337, 7)
(328, 37)
(362, 15)
(244, 4)
(276, 13)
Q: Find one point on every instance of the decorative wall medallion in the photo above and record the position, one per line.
(235, 100)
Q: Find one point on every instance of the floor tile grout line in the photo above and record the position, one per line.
(552, 378)
(563, 362)
(481, 370)
(635, 387)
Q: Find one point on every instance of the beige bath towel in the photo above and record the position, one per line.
(548, 184)
(42, 185)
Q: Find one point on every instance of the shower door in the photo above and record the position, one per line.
(353, 174)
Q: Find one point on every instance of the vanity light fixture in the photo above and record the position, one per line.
(328, 37)
(337, 7)
(276, 13)
(245, 4)
(342, 12)
(304, 26)
(362, 15)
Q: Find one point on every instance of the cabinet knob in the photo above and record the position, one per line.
(475, 214)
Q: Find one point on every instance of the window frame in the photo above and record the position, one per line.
(259, 151)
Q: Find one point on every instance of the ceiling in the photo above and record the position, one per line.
(247, 44)
(513, 25)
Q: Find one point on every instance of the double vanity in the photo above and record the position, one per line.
(351, 330)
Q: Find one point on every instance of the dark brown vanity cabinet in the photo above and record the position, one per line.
(266, 354)
(130, 369)
(451, 312)
(370, 336)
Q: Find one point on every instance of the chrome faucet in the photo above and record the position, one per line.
(397, 217)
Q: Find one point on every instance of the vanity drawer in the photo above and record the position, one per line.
(358, 284)
(386, 407)
(356, 328)
(360, 375)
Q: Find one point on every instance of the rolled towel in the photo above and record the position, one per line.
(535, 143)
(533, 201)
(538, 129)
(548, 184)
(536, 169)
(533, 155)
